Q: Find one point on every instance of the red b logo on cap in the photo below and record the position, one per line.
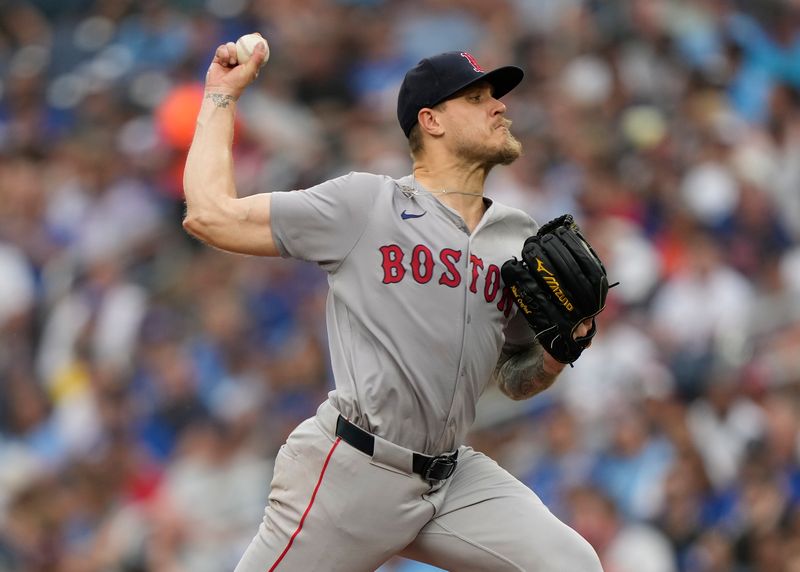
(473, 62)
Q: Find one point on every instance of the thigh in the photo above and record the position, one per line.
(331, 509)
(488, 520)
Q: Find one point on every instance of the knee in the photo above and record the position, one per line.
(583, 557)
(572, 554)
(577, 556)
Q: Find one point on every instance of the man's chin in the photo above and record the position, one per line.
(510, 153)
(505, 155)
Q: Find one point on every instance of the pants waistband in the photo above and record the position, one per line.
(383, 452)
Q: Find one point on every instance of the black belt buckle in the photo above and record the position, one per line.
(440, 468)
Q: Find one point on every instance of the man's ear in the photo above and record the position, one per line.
(429, 121)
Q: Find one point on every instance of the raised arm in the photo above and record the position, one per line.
(214, 212)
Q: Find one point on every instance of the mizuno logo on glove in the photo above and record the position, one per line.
(551, 281)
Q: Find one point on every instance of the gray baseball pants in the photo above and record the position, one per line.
(332, 508)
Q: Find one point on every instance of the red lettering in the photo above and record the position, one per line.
(477, 265)
(393, 270)
(451, 277)
(492, 285)
(423, 265)
(419, 253)
(506, 302)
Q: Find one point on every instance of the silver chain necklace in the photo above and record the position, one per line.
(416, 190)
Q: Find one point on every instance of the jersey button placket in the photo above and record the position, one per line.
(461, 372)
(463, 369)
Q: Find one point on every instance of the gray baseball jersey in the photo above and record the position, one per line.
(417, 318)
(416, 312)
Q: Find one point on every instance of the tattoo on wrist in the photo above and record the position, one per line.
(220, 99)
(522, 374)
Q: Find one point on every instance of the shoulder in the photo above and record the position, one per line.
(515, 219)
(362, 178)
(360, 183)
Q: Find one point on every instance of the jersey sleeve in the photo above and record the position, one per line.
(323, 223)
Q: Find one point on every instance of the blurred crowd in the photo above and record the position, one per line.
(146, 380)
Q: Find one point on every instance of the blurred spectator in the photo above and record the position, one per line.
(713, 552)
(204, 526)
(699, 312)
(631, 471)
(563, 465)
(622, 547)
(687, 506)
(724, 424)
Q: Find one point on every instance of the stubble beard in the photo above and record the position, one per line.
(510, 152)
(490, 156)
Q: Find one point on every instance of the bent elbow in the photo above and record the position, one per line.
(195, 224)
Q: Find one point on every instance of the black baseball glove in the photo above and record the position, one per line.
(559, 283)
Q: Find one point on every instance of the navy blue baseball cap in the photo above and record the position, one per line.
(436, 78)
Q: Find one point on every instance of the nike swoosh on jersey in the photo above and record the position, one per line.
(405, 215)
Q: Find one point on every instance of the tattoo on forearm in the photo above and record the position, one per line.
(220, 99)
(520, 374)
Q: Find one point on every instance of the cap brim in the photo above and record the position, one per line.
(502, 80)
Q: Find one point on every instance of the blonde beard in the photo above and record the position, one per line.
(511, 151)
(490, 157)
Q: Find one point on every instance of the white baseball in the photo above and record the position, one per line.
(245, 46)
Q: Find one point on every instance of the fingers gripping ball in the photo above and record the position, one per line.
(559, 283)
(247, 44)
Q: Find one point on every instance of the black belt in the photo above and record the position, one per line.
(429, 468)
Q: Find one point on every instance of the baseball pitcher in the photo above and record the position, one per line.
(435, 290)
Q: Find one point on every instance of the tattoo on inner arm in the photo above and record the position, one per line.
(520, 373)
(220, 99)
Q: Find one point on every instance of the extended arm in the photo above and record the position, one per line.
(214, 213)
